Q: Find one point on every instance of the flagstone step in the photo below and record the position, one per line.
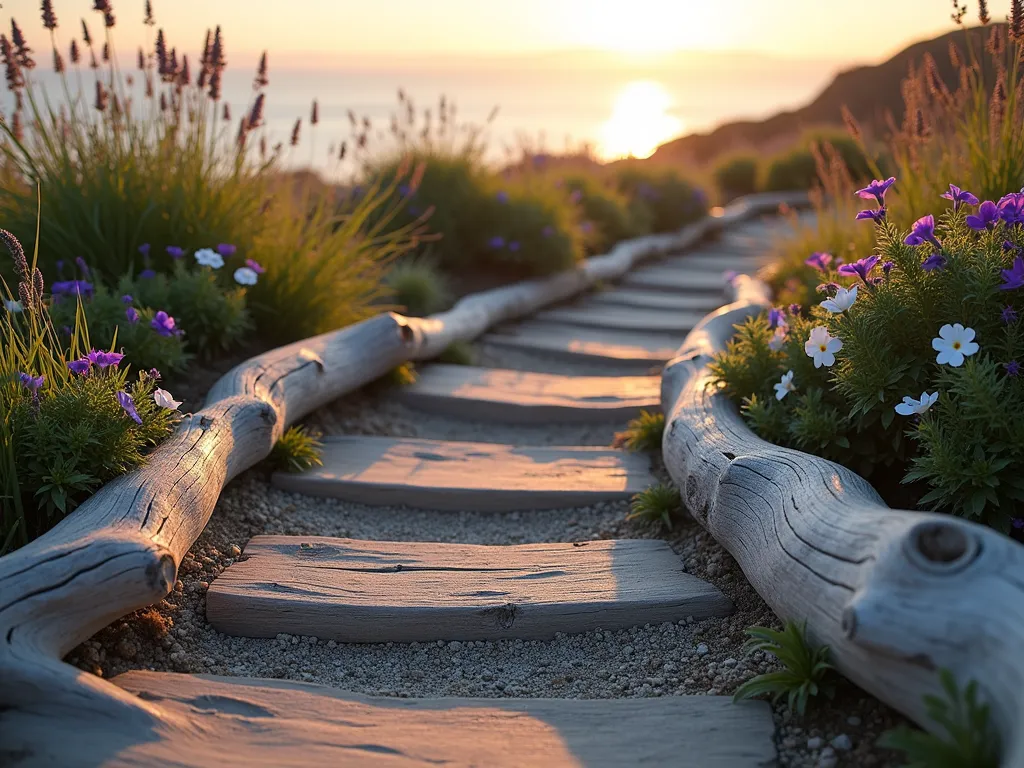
(590, 315)
(618, 349)
(250, 723)
(678, 278)
(647, 299)
(489, 477)
(521, 397)
(388, 591)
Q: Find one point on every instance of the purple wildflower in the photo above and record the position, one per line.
(502, 196)
(877, 215)
(1011, 247)
(147, 274)
(586, 227)
(986, 218)
(105, 359)
(1011, 208)
(819, 261)
(32, 383)
(923, 232)
(513, 246)
(959, 197)
(132, 314)
(887, 267)
(82, 265)
(255, 266)
(496, 242)
(576, 196)
(933, 262)
(60, 267)
(154, 374)
(861, 268)
(144, 250)
(876, 190)
(1012, 369)
(81, 366)
(795, 310)
(127, 299)
(126, 402)
(226, 250)
(72, 288)
(1009, 315)
(776, 317)
(163, 324)
(66, 330)
(175, 252)
(1014, 276)
(404, 190)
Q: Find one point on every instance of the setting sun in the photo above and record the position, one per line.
(640, 121)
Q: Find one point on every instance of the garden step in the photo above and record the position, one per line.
(590, 315)
(490, 477)
(716, 261)
(677, 278)
(618, 349)
(644, 299)
(282, 724)
(388, 591)
(521, 397)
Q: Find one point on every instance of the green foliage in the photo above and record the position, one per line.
(970, 742)
(458, 353)
(736, 176)
(606, 213)
(418, 286)
(400, 376)
(805, 670)
(798, 168)
(670, 199)
(298, 449)
(643, 433)
(659, 503)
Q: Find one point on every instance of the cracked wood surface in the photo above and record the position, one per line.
(896, 595)
(388, 591)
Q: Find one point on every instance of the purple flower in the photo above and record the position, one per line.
(576, 196)
(923, 232)
(175, 252)
(82, 265)
(513, 246)
(126, 402)
(404, 190)
(548, 231)
(147, 274)
(819, 261)
(877, 215)
(72, 288)
(1014, 276)
(502, 196)
(105, 359)
(1012, 369)
(933, 262)
(586, 227)
(496, 242)
(1011, 208)
(60, 267)
(887, 267)
(986, 218)
(861, 268)
(959, 197)
(1018, 523)
(32, 383)
(226, 250)
(776, 317)
(1010, 247)
(144, 250)
(132, 314)
(163, 324)
(876, 190)
(127, 299)
(154, 374)
(255, 266)
(795, 309)
(80, 366)
(66, 330)
(1009, 315)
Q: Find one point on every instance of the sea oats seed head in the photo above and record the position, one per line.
(12, 69)
(1017, 20)
(995, 44)
(106, 51)
(255, 119)
(86, 37)
(314, 114)
(21, 50)
(49, 17)
(295, 132)
(149, 21)
(75, 54)
(983, 16)
(58, 61)
(261, 80)
(227, 112)
(93, 64)
(101, 97)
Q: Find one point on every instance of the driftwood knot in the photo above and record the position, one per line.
(941, 547)
(161, 574)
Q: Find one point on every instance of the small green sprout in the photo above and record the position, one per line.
(658, 503)
(643, 433)
(805, 668)
(297, 450)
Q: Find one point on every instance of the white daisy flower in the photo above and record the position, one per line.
(785, 386)
(842, 301)
(953, 344)
(822, 347)
(246, 276)
(163, 398)
(910, 406)
(208, 257)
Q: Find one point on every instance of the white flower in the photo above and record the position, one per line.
(208, 257)
(12, 306)
(778, 339)
(246, 276)
(163, 398)
(953, 344)
(822, 347)
(842, 301)
(911, 406)
(785, 386)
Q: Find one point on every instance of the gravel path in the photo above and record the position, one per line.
(689, 657)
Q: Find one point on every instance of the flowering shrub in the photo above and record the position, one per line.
(736, 175)
(670, 200)
(71, 417)
(911, 362)
(607, 216)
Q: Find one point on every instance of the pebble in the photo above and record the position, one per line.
(842, 742)
(815, 742)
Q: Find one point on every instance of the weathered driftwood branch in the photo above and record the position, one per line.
(896, 595)
(120, 550)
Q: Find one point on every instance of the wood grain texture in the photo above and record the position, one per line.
(521, 397)
(633, 351)
(587, 315)
(120, 550)
(250, 723)
(896, 595)
(387, 591)
(455, 476)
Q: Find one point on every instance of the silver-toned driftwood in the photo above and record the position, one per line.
(896, 595)
(120, 550)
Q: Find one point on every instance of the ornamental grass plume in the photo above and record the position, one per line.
(217, 63)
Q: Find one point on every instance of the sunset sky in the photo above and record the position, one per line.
(316, 31)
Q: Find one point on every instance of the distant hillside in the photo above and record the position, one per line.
(869, 92)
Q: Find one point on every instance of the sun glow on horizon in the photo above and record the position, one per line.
(640, 121)
(647, 26)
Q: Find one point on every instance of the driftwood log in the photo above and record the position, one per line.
(896, 595)
(121, 549)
